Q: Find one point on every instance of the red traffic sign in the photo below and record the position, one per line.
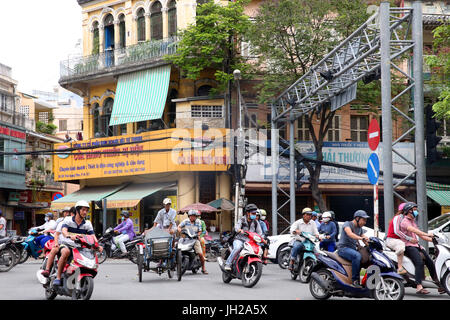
(57, 195)
(373, 135)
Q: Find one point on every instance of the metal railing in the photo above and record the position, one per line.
(110, 59)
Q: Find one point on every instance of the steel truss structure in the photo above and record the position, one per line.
(374, 50)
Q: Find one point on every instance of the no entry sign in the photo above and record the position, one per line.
(373, 135)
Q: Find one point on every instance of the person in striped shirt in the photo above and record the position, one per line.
(71, 228)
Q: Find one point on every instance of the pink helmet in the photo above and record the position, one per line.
(400, 207)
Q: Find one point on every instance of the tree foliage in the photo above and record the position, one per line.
(439, 62)
(210, 41)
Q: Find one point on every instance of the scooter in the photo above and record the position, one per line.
(441, 264)
(186, 258)
(30, 245)
(7, 255)
(77, 280)
(332, 276)
(110, 250)
(248, 265)
(303, 270)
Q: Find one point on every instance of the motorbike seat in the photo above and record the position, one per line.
(3, 240)
(336, 257)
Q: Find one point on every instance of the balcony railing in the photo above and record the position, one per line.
(112, 59)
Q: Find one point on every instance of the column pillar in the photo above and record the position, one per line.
(165, 20)
(148, 33)
(101, 37)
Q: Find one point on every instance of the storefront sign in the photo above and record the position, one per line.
(149, 152)
(19, 215)
(12, 133)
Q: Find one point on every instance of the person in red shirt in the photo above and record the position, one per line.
(393, 241)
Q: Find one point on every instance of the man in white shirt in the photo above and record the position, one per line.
(2, 225)
(165, 218)
(306, 224)
(47, 227)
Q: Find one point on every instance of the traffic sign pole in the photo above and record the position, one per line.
(373, 140)
(375, 206)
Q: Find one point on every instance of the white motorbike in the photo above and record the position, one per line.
(441, 264)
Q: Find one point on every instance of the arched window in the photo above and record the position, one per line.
(122, 31)
(96, 113)
(95, 39)
(204, 90)
(172, 13)
(107, 110)
(156, 21)
(141, 24)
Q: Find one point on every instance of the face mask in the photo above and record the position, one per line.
(253, 216)
(415, 213)
(263, 218)
(326, 219)
(123, 218)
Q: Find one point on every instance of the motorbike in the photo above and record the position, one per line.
(110, 250)
(77, 280)
(441, 264)
(332, 276)
(246, 266)
(7, 255)
(303, 270)
(20, 252)
(30, 245)
(186, 258)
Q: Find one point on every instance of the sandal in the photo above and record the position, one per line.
(205, 272)
(441, 290)
(422, 291)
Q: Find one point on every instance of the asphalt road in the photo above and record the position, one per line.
(118, 280)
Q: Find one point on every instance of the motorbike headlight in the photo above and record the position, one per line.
(87, 263)
(257, 239)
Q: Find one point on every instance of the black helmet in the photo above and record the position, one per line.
(408, 206)
(360, 214)
(251, 208)
(125, 213)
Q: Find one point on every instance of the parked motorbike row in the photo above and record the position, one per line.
(330, 275)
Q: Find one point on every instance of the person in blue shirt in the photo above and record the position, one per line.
(328, 230)
(314, 218)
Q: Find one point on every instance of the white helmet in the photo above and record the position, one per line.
(81, 203)
(167, 201)
(326, 214)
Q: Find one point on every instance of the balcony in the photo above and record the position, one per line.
(115, 62)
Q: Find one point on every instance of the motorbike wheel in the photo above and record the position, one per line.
(253, 274)
(7, 260)
(305, 270)
(316, 290)
(140, 265)
(132, 255)
(17, 254)
(445, 281)
(389, 289)
(50, 293)
(226, 277)
(24, 256)
(283, 257)
(86, 288)
(294, 274)
(102, 256)
(179, 265)
(169, 273)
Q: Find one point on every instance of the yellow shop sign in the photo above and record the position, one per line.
(150, 152)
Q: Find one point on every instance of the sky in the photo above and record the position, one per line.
(35, 36)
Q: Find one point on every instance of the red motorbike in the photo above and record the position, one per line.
(77, 279)
(246, 266)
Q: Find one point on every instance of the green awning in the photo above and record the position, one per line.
(130, 196)
(88, 194)
(141, 96)
(439, 193)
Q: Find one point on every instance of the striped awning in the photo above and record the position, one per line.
(439, 193)
(141, 96)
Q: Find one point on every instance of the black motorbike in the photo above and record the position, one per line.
(110, 250)
(186, 258)
(7, 255)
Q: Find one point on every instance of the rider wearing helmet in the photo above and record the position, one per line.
(203, 234)
(394, 236)
(47, 227)
(414, 251)
(195, 223)
(71, 227)
(247, 223)
(165, 219)
(352, 231)
(126, 230)
(260, 216)
(328, 229)
(264, 218)
(305, 224)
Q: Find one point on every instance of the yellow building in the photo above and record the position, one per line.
(135, 101)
